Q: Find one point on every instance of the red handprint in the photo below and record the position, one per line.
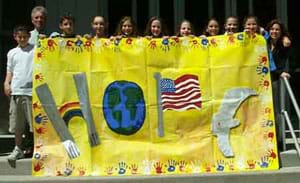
(39, 55)
(134, 169)
(182, 165)
(51, 45)
(158, 167)
(88, 45)
(39, 77)
(81, 171)
(251, 164)
(109, 170)
(36, 106)
(40, 130)
(38, 166)
(271, 154)
(152, 44)
(128, 41)
(231, 39)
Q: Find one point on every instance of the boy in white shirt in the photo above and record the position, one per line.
(18, 85)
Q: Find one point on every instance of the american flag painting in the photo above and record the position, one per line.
(180, 94)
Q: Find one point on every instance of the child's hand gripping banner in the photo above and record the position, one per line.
(149, 107)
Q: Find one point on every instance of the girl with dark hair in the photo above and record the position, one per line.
(212, 28)
(185, 29)
(126, 28)
(155, 28)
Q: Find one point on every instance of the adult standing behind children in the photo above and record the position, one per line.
(18, 85)
(38, 19)
(281, 55)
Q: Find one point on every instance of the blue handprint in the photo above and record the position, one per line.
(122, 168)
(165, 45)
(264, 162)
(40, 118)
(171, 165)
(78, 46)
(220, 166)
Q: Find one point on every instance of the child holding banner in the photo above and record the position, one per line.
(185, 29)
(18, 85)
(126, 28)
(99, 26)
(212, 28)
(155, 28)
(251, 26)
(66, 26)
(231, 25)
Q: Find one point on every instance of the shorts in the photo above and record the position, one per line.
(20, 113)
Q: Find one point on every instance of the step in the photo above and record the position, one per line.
(7, 142)
(291, 140)
(289, 158)
(21, 172)
(286, 175)
(21, 167)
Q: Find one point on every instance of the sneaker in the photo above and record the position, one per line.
(16, 154)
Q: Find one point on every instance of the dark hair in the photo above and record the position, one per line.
(231, 16)
(283, 29)
(164, 31)
(66, 16)
(255, 18)
(134, 27)
(105, 24)
(206, 26)
(179, 27)
(21, 28)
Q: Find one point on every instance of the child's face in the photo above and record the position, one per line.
(231, 25)
(213, 28)
(156, 28)
(127, 28)
(38, 20)
(251, 25)
(67, 27)
(275, 31)
(98, 25)
(22, 38)
(185, 29)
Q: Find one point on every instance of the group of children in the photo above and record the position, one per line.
(18, 82)
(156, 28)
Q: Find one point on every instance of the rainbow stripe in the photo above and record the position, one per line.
(70, 110)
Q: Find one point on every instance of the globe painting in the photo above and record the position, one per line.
(124, 107)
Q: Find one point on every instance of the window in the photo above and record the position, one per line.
(116, 10)
(264, 10)
(142, 14)
(167, 13)
(197, 12)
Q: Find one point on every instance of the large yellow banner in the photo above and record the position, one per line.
(149, 107)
